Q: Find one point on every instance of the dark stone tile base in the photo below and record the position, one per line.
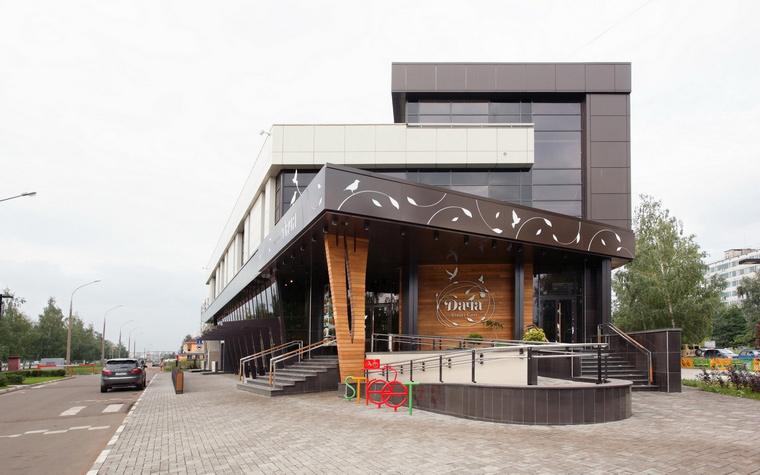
(532, 405)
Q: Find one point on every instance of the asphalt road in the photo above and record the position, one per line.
(60, 427)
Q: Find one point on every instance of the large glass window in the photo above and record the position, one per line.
(557, 184)
(288, 192)
(256, 301)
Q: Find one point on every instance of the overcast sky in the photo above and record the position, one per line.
(137, 122)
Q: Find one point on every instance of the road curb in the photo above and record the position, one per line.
(24, 386)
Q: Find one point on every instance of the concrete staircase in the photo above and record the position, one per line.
(617, 368)
(319, 373)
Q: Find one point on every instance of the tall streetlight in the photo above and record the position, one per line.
(134, 346)
(122, 326)
(103, 337)
(129, 340)
(71, 307)
(28, 193)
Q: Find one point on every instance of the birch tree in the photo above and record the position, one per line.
(664, 286)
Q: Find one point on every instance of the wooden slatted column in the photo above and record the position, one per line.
(348, 257)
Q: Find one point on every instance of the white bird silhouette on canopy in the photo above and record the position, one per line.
(515, 219)
(353, 186)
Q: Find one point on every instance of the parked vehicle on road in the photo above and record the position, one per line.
(122, 372)
(719, 353)
(749, 354)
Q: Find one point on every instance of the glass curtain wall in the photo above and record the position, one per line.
(256, 301)
(554, 183)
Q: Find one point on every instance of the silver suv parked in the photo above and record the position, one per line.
(122, 372)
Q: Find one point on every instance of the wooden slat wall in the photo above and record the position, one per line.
(498, 278)
(528, 301)
(350, 353)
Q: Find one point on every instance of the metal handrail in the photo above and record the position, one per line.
(437, 342)
(299, 352)
(246, 359)
(630, 340)
(475, 356)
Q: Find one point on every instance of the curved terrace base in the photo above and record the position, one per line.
(565, 404)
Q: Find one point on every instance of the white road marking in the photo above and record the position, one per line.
(113, 408)
(73, 411)
(48, 432)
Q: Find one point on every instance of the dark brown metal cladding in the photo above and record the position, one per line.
(369, 195)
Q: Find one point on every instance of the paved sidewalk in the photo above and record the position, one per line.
(215, 429)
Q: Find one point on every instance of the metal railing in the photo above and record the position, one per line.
(430, 342)
(477, 357)
(295, 353)
(635, 344)
(242, 374)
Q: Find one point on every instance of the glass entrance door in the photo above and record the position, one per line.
(558, 319)
(380, 319)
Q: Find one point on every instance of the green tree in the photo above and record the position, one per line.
(50, 333)
(85, 341)
(664, 285)
(730, 327)
(749, 291)
(15, 329)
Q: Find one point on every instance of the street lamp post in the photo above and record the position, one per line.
(71, 307)
(122, 326)
(134, 346)
(129, 340)
(28, 193)
(103, 337)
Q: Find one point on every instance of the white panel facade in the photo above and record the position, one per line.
(361, 146)
(734, 273)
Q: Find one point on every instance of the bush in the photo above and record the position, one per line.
(2, 381)
(474, 336)
(740, 379)
(534, 334)
(13, 378)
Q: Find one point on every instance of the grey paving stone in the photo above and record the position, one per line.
(215, 429)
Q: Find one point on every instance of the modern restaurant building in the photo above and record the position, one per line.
(500, 193)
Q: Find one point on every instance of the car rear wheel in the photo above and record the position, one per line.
(698, 352)
(104, 389)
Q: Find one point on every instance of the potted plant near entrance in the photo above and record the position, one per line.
(535, 334)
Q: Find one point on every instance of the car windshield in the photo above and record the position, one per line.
(121, 364)
(728, 352)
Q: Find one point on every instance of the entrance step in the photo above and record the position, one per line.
(320, 373)
(617, 367)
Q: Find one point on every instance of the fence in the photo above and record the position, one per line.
(721, 363)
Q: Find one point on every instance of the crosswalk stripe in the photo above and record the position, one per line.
(113, 408)
(73, 411)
